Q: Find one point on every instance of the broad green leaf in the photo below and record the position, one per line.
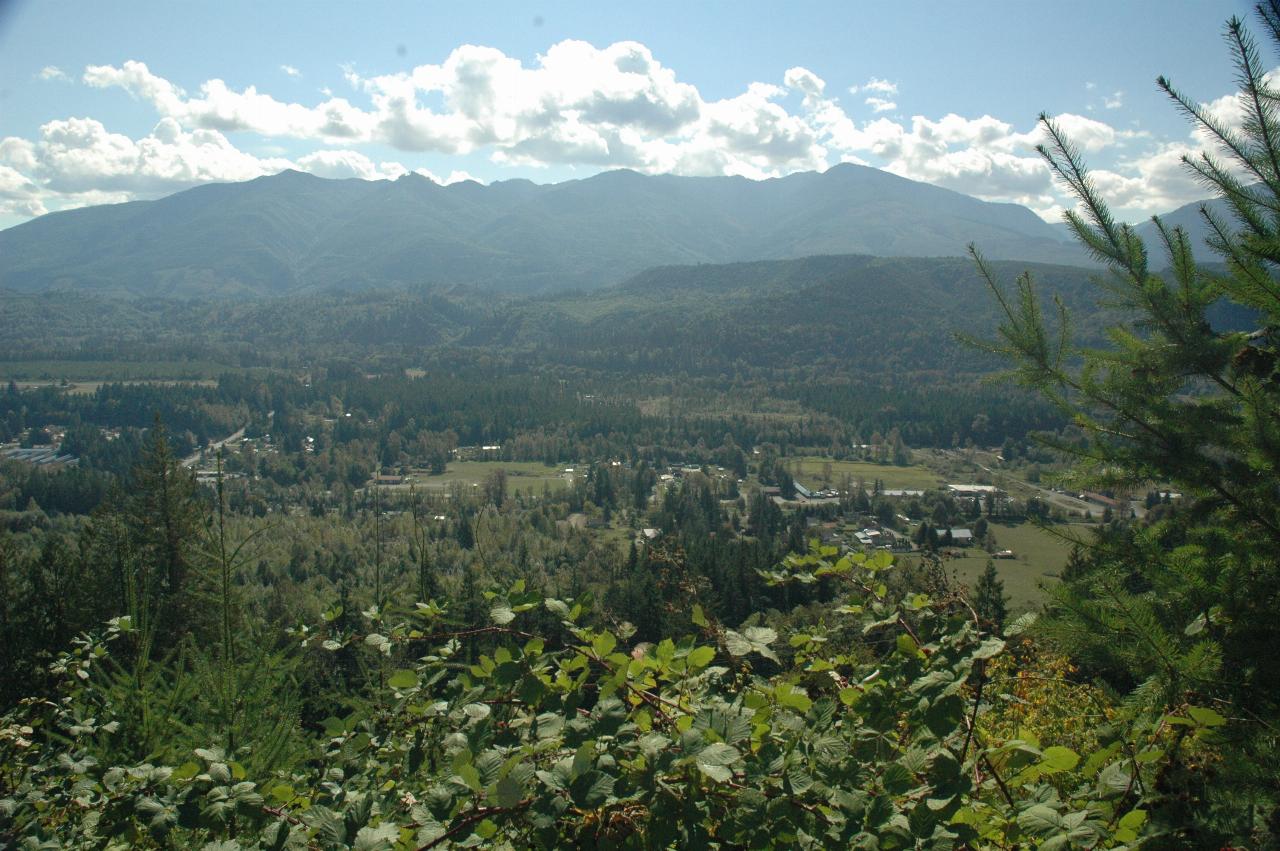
(1039, 819)
(714, 759)
(792, 697)
(509, 791)
(701, 657)
(736, 643)
(604, 643)
(1205, 717)
(476, 711)
(896, 779)
(403, 679)
(989, 648)
(185, 771)
(591, 789)
(380, 838)
(1057, 759)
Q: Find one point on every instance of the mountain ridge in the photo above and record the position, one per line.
(295, 232)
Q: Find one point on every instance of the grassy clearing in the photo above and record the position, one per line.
(1038, 558)
(87, 387)
(45, 371)
(809, 469)
(528, 477)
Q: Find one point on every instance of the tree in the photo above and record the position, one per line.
(1182, 612)
(989, 599)
(163, 515)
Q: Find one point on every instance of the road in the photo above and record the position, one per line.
(192, 460)
(1061, 500)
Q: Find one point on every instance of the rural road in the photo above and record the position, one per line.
(193, 459)
(1053, 497)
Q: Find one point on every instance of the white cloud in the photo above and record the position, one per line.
(53, 72)
(79, 155)
(218, 107)
(339, 164)
(290, 71)
(877, 85)
(77, 161)
(455, 176)
(575, 104)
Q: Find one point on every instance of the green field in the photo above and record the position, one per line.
(86, 387)
(808, 471)
(528, 477)
(1039, 556)
(45, 371)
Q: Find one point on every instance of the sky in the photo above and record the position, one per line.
(104, 102)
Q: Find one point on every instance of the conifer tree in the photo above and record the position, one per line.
(1181, 612)
(989, 599)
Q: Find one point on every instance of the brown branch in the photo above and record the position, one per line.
(972, 720)
(479, 814)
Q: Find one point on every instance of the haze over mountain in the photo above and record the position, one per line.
(294, 232)
(1188, 218)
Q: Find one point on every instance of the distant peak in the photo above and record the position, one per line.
(290, 174)
(619, 174)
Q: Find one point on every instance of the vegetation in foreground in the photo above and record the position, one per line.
(876, 708)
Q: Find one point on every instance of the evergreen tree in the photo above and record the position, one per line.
(165, 585)
(1182, 612)
(989, 599)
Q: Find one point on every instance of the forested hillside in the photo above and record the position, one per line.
(838, 551)
(296, 233)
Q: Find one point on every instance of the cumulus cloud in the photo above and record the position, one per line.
(78, 161)
(877, 86)
(53, 72)
(575, 104)
(340, 164)
(78, 155)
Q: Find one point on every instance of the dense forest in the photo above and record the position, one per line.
(678, 563)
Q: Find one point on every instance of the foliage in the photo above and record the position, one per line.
(1182, 610)
(573, 739)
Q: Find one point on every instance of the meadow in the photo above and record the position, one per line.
(527, 477)
(1039, 556)
(809, 471)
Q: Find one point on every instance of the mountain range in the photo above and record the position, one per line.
(295, 233)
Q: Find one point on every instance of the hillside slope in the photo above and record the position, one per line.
(294, 233)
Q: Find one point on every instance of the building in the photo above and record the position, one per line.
(40, 456)
(975, 490)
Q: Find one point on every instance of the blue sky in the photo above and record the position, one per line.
(105, 102)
